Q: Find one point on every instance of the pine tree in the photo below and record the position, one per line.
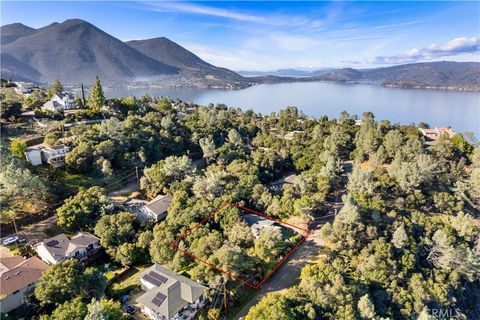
(97, 98)
(56, 88)
(84, 101)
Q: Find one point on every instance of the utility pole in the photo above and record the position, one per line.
(225, 296)
(136, 173)
(12, 215)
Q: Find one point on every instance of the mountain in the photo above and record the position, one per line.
(76, 51)
(285, 73)
(12, 32)
(441, 74)
(191, 66)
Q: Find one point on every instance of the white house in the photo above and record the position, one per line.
(55, 155)
(59, 248)
(60, 101)
(34, 155)
(156, 209)
(17, 278)
(169, 295)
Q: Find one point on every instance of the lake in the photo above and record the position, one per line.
(438, 108)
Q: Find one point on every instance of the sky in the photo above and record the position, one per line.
(272, 35)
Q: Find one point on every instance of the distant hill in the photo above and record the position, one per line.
(191, 66)
(440, 74)
(76, 51)
(285, 73)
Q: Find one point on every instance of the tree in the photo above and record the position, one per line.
(82, 210)
(18, 183)
(56, 88)
(399, 237)
(208, 148)
(18, 148)
(97, 98)
(366, 307)
(104, 310)
(74, 309)
(63, 282)
(213, 314)
(10, 109)
(273, 306)
(266, 243)
(235, 138)
(51, 139)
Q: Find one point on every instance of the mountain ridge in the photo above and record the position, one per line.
(82, 51)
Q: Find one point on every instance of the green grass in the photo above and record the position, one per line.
(247, 295)
(125, 283)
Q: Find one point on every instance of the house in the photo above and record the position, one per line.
(55, 155)
(276, 186)
(291, 135)
(156, 209)
(25, 88)
(34, 155)
(17, 278)
(82, 246)
(60, 101)
(257, 223)
(434, 134)
(169, 295)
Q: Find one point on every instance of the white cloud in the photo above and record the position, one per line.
(458, 46)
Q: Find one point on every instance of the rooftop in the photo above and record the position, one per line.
(160, 204)
(171, 291)
(24, 273)
(60, 246)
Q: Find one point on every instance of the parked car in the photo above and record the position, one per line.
(10, 240)
(128, 308)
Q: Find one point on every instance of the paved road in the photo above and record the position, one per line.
(288, 273)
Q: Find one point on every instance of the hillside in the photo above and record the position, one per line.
(442, 74)
(191, 66)
(81, 52)
(76, 51)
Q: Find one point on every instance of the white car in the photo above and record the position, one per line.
(10, 240)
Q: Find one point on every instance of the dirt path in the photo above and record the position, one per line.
(35, 232)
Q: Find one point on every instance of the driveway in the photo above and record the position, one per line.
(287, 274)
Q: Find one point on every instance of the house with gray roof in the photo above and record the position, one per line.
(156, 209)
(257, 223)
(169, 295)
(59, 248)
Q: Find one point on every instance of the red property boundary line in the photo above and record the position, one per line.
(189, 231)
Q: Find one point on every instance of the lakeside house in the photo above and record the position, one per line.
(436, 133)
(54, 156)
(156, 209)
(17, 278)
(83, 246)
(25, 88)
(59, 102)
(169, 295)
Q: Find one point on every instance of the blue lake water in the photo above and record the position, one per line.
(438, 108)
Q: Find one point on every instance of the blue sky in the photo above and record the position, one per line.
(272, 35)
